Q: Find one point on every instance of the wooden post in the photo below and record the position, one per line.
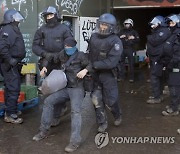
(29, 71)
(30, 79)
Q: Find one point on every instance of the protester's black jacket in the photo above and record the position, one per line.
(72, 65)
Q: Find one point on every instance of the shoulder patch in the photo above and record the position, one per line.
(161, 34)
(5, 34)
(117, 46)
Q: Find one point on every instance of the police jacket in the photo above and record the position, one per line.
(155, 42)
(72, 65)
(176, 51)
(104, 52)
(129, 43)
(168, 50)
(11, 43)
(174, 65)
(50, 39)
(175, 54)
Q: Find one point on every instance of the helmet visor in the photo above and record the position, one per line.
(173, 18)
(18, 17)
(103, 28)
(155, 21)
(49, 10)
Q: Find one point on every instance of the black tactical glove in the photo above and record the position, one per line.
(10, 63)
(48, 56)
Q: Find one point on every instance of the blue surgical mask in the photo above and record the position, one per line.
(70, 51)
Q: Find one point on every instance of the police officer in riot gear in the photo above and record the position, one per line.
(12, 51)
(49, 39)
(174, 66)
(105, 49)
(156, 43)
(48, 42)
(129, 38)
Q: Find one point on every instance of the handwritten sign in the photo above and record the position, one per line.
(87, 27)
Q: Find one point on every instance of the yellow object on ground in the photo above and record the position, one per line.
(30, 68)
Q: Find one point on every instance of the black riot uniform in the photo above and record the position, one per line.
(128, 48)
(49, 40)
(174, 66)
(174, 79)
(155, 49)
(105, 49)
(12, 51)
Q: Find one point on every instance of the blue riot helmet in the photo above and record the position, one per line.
(106, 24)
(179, 20)
(173, 18)
(157, 21)
(68, 24)
(12, 15)
(51, 10)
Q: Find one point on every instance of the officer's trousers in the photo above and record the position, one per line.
(175, 97)
(12, 84)
(130, 55)
(106, 94)
(156, 77)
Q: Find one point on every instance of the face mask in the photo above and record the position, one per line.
(154, 26)
(127, 26)
(15, 23)
(52, 21)
(70, 51)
